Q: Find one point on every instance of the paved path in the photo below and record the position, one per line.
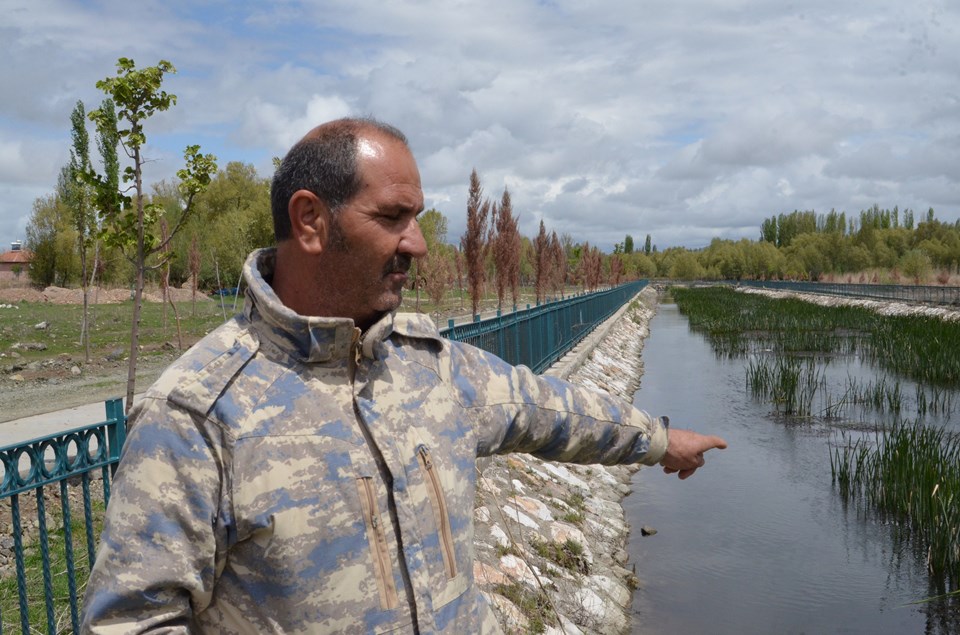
(19, 430)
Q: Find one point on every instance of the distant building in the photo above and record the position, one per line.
(14, 263)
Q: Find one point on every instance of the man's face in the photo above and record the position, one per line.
(374, 237)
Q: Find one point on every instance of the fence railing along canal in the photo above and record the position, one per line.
(54, 489)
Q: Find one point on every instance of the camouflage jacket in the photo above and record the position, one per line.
(289, 474)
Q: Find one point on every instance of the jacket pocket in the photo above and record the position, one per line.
(378, 544)
(439, 505)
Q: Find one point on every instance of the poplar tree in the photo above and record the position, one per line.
(80, 200)
(131, 224)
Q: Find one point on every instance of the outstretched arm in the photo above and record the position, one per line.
(685, 451)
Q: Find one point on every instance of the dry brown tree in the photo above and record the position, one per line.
(474, 242)
(558, 265)
(541, 247)
(506, 250)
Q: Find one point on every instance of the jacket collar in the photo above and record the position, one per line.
(316, 339)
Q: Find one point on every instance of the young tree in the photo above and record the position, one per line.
(506, 250)
(194, 257)
(541, 249)
(474, 243)
(131, 225)
(80, 200)
(557, 256)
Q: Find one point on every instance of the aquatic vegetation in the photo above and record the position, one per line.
(789, 383)
(922, 348)
(908, 472)
(909, 475)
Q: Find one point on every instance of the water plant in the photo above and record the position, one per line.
(909, 475)
(918, 347)
(789, 383)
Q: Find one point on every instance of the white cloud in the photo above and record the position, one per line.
(683, 120)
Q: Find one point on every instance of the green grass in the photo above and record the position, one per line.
(567, 554)
(533, 604)
(110, 327)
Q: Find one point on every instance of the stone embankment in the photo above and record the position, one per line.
(883, 307)
(551, 537)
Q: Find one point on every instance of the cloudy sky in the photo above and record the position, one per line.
(682, 119)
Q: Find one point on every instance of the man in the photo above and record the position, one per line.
(310, 465)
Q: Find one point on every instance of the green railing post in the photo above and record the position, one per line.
(116, 433)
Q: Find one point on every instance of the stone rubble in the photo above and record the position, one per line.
(883, 307)
(551, 537)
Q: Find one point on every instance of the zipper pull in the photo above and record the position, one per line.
(357, 344)
(424, 452)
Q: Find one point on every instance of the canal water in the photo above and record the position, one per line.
(758, 541)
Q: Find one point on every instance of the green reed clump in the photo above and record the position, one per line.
(910, 475)
(925, 349)
(789, 383)
(883, 395)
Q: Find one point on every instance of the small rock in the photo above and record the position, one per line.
(16, 377)
(75, 370)
(115, 355)
(42, 326)
(647, 530)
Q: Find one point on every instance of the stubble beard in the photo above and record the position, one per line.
(388, 294)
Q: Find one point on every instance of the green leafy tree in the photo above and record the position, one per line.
(51, 238)
(915, 264)
(647, 249)
(433, 270)
(131, 226)
(685, 266)
(80, 200)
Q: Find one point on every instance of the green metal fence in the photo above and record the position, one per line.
(537, 337)
(47, 552)
(941, 295)
(49, 501)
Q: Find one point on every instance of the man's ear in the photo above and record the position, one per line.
(308, 221)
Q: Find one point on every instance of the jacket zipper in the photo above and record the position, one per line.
(439, 505)
(378, 544)
(355, 346)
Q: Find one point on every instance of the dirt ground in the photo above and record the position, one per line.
(54, 385)
(60, 295)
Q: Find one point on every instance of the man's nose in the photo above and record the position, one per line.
(412, 241)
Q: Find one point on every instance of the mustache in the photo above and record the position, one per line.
(400, 263)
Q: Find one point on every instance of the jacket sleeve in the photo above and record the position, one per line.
(519, 411)
(164, 535)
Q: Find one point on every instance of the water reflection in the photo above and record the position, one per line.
(759, 542)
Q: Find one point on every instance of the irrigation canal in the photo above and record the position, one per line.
(760, 541)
